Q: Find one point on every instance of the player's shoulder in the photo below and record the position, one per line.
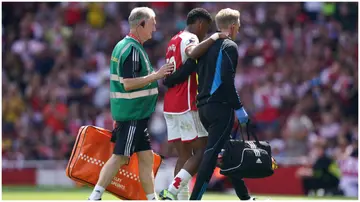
(175, 40)
(185, 34)
(176, 36)
(188, 37)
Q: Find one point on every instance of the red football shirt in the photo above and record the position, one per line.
(182, 97)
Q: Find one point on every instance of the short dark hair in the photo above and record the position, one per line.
(196, 14)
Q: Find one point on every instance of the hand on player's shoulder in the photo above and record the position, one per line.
(219, 35)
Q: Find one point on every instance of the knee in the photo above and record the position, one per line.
(185, 155)
(199, 152)
(145, 159)
(198, 156)
(118, 160)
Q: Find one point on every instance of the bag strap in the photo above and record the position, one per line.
(238, 130)
(234, 133)
(250, 131)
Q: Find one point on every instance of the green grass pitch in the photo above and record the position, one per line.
(41, 193)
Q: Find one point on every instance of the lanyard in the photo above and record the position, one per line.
(134, 37)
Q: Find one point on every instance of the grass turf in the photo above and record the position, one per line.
(43, 193)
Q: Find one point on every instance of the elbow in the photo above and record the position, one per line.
(192, 55)
(127, 87)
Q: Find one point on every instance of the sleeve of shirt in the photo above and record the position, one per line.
(228, 70)
(187, 41)
(180, 75)
(132, 66)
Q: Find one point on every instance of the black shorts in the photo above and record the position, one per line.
(130, 137)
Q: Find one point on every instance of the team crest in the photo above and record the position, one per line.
(190, 41)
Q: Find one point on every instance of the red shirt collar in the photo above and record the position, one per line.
(135, 38)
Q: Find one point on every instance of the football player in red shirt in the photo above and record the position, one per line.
(184, 127)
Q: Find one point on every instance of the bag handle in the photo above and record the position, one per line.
(235, 132)
(249, 132)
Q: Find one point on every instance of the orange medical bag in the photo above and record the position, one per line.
(91, 151)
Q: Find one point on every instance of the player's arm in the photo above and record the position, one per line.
(228, 66)
(181, 75)
(131, 70)
(195, 51)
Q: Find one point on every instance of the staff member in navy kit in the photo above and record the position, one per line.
(217, 100)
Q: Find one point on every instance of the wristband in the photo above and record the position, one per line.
(215, 36)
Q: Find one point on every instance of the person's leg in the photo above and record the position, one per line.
(193, 141)
(122, 136)
(145, 159)
(240, 188)
(179, 186)
(331, 184)
(174, 137)
(146, 174)
(184, 154)
(310, 184)
(107, 173)
(221, 119)
(198, 147)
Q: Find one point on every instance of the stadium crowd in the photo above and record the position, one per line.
(297, 75)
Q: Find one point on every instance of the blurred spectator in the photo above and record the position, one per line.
(267, 101)
(104, 120)
(297, 75)
(349, 174)
(298, 128)
(12, 107)
(323, 175)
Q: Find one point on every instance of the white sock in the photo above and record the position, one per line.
(180, 180)
(183, 195)
(97, 192)
(151, 196)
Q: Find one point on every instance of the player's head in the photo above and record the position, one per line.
(200, 20)
(142, 22)
(228, 20)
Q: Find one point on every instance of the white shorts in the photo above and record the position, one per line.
(185, 127)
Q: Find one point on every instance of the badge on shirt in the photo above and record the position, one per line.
(190, 41)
